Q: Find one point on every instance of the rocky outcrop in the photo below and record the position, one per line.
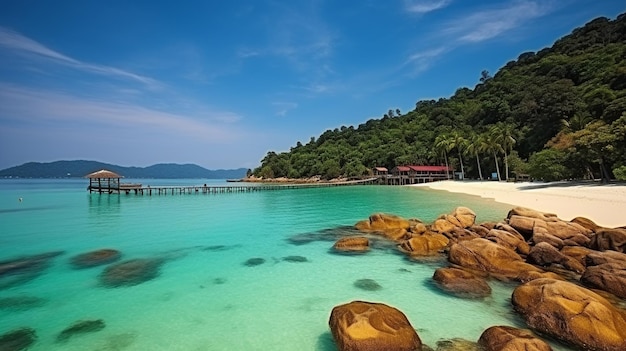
(79, 328)
(609, 277)
(505, 338)
(352, 244)
(497, 260)
(572, 314)
(425, 244)
(512, 240)
(461, 217)
(95, 258)
(461, 283)
(586, 223)
(595, 258)
(132, 272)
(383, 222)
(544, 254)
(547, 227)
(609, 239)
(367, 326)
(18, 339)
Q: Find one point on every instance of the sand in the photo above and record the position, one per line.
(604, 204)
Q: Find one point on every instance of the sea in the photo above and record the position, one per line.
(237, 271)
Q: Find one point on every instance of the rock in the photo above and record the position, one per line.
(442, 225)
(572, 314)
(95, 258)
(595, 258)
(460, 234)
(465, 216)
(461, 283)
(544, 254)
(542, 237)
(352, 244)
(21, 303)
(18, 339)
(609, 277)
(382, 222)
(24, 269)
(131, 272)
(512, 240)
(367, 285)
(524, 225)
(586, 223)
(487, 256)
(295, 259)
(367, 326)
(256, 261)
(418, 227)
(609, 239)
(425, 244)
(80, 327)
(480, 230)
(578, 253)
(569, 231)
(505, 338)
(457, 344)
(530, 213)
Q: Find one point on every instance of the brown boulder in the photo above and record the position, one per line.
(461, 283)
(367, 326)
(595, 258)
(480, 230)
(425, 245)
(544, 254)
(572, 314)
(586, 223)
(460, 234)
(504, 338)
(530, 213)
(609, 277)
(512, 240)
(465, 216)
(566, 230)
(352, 244)
(578, 253)
(483, 255)
(609, 239)
(524, 225)
(442, 225)
(383, 221)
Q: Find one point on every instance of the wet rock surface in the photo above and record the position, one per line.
(500, 338)
(461, 283)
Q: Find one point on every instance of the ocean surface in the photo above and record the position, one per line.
(205, 292)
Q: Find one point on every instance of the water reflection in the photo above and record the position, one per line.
(104, 204)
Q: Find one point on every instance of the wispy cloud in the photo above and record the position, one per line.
(15, 42)
(422, 60)
(282, 108)
(31, 106)
(490, 23)
(424, 6)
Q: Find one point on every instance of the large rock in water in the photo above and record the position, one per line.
(367, 326)
(572, 314)
(487, 256)
(131, 272)
(461, 283)
(95, 258)
(425, 244)
(504, 338)
(352, 244)
(391, 226)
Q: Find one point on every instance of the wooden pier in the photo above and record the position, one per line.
(140, 189)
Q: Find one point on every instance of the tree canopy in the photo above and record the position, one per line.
(559, 112)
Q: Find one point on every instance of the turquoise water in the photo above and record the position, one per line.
(205, 297)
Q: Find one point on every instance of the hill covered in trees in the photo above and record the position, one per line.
(80, 168)
(558, 113)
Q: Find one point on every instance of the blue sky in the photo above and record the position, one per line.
(221, 83)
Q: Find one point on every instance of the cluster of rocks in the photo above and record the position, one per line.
(23, 338)
(571, 276)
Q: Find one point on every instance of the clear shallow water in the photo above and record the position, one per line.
(205, 297)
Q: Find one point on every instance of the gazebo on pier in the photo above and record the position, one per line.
(104, 181)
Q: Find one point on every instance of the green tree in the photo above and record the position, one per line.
(476, 145)
(548, 165)
(442, 145)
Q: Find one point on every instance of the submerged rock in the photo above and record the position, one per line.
(295, 259)
(367, 326)
(132, 272)
(367, 284)
(21, 303)
(18, 339)
(254, 262)
(500, 338)
(95, 258)
(24, 269)
(457, 344)
(461, 283)
(331, 234)
(356, 244)
(80, 327)
(571, 313)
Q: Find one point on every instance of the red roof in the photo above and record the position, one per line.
(428, 168)
(403, 168)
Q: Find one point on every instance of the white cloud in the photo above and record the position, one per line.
(16, 43)
(424, 6)
(282, 108)
(424, 59)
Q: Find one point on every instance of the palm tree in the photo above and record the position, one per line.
(442, 144)
(493, 138)
(477, 143)
(507, 142)
(458, 142)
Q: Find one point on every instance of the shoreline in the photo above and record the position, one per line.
(605, 204)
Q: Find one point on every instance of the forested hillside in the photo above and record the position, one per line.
(556, 114)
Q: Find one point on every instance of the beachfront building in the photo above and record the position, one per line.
(104, 181)
(405, 175)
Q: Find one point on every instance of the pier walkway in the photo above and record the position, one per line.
(139, 189)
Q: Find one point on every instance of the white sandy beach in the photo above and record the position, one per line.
(604, 204)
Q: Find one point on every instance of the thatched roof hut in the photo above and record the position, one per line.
(104, 181)
(103, 174)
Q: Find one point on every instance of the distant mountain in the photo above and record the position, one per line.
(80, 168)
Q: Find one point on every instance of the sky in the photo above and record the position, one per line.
(221, 83)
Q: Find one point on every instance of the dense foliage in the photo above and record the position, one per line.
(555, 114)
